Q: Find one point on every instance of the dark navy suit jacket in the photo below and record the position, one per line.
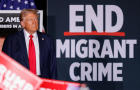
(15, 47)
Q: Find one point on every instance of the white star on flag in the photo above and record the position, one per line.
(26, 2)
(11, 7)
(19, 1)
(32, 4)
(4, 5)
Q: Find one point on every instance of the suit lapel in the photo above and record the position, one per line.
(24, 49)
(40, 41)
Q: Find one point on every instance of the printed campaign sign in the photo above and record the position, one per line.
(10, 20)
(13, 76)
(97, 42)
(59, 85)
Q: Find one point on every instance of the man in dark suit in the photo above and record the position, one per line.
(32, 49)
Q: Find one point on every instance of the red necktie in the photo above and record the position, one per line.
(32, 56)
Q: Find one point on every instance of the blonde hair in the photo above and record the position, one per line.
(24, 12)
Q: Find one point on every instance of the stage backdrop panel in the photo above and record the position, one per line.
(97, 42)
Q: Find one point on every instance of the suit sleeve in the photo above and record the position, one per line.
(53, 61)
(7, 46)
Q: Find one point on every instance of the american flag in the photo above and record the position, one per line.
(17, 4)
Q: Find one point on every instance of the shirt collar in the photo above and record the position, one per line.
(27, 34)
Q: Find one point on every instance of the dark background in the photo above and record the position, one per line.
(42, 5)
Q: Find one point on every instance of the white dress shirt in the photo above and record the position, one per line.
(36, 44)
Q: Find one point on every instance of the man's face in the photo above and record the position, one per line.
(30, 23)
